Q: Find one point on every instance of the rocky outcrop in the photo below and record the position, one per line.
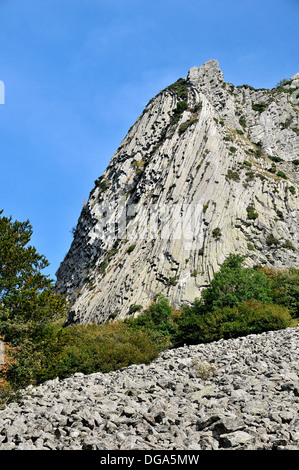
(232, 394)
(208, 169)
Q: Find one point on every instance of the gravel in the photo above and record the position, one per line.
(231, 394)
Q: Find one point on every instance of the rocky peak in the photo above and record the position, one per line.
(206, 170)
(206, 78)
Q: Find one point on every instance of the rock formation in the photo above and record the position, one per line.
(208, 169)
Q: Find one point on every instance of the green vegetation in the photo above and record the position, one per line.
(276, 159)
(102, 183)
(216, 233)
(184, 126)
(260, 107)
(158, 322)
(131, 248)
(281, 174)
(242, 121)
(271, 240)
(251, 213)
(251, 317)
(180, 88)
(234, 284)
(177, 113)
(39, 346)
(29, 309)
(232, 175)
(135, 308)
(104, 348)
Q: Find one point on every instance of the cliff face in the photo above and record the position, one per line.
(208, 169)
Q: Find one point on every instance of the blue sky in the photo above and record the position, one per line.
(77, 75)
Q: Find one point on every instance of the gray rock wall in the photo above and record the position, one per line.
(176, 197)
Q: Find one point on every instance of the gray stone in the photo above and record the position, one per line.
(230, 414)
(234, 439)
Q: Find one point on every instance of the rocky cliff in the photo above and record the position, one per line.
(208, 169)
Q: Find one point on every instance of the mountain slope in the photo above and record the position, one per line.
(206, 170)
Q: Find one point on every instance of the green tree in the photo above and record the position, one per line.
(29, 308)
(234, 284)
(284, 287)
(157, 321)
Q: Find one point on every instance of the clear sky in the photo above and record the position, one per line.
(78, 73)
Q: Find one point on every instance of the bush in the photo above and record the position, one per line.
(157, 322)
(177, 113)
(284, 288)
(281, 174)
(7, 360)
(234, 284)
(251, 317)
(251, 213)
(104, 348)
(260, 107)
(184, 126)
(37, 359)
(216, 233)
(180, 88)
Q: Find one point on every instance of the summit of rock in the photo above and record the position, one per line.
(208, 75)
(208, 169)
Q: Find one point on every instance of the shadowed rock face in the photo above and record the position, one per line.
(208, 169)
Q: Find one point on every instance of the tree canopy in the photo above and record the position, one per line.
(234, 283)
(27, 296)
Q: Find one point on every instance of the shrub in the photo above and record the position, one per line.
(135, 308)
(251, 213)
(242, 121)
(281, 174)
(276, 159)
(260, 107)
(180, 88)
(284, 285)
(233, 284)
(289, 245)
(232, 175)
(216, 233)
(157, 321)
(184, 126)
(251, 317)
(102, 183)
(7, 360)
(104, 348)
(271, 240)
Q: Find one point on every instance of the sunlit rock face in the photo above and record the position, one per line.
(208, 169)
